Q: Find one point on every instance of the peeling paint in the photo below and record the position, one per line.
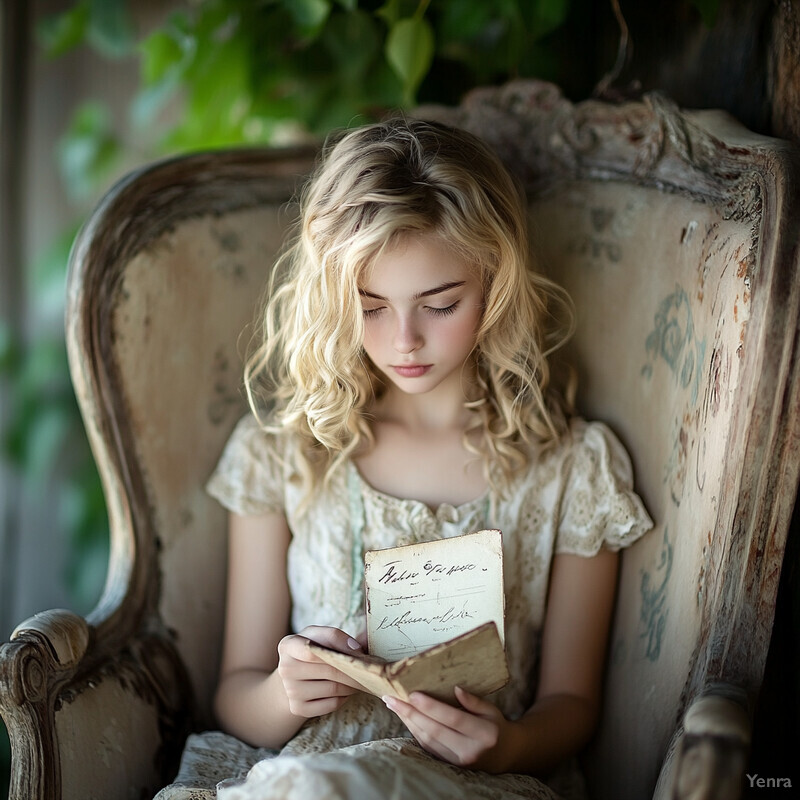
(228, 240)
(222, 399)
(688, 232)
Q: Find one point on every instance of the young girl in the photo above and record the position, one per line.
(401, 394)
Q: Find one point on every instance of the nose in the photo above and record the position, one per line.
(407, 335)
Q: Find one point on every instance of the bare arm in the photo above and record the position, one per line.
(565, 713)
(269, 682)
(567, 708)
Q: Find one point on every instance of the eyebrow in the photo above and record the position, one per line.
(419, 295)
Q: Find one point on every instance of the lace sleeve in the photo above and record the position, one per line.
(599, 508)
(249, 477)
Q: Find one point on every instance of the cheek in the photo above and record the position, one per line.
(462, 333)
(370, 339)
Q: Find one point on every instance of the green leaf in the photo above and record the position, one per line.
(409, 51)
(382, 91)
(160, 53)
(167, 57)
(309, 15)
(462, 22)
(88, 150)
(348, 5)
(394, 10)
(110, 28)
(353, 41)
(61, 33)
(149, 102)
(548, 15)
(219, 97)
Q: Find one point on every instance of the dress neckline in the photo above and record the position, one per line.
(445, 508)
(358, 487)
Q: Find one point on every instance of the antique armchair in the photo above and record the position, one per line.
(675, 233)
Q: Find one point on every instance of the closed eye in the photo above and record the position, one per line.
(444, 312)
(371, 312)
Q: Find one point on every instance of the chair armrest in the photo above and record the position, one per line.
(42, 655)
(86, 720)
(709, 755)
(64, 634)
(713, 752)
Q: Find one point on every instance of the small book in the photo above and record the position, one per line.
(435, 619)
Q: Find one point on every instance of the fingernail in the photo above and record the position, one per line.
(353, 644)
(388, 701)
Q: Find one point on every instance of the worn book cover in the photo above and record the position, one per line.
(434, 619)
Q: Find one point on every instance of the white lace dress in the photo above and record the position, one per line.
(575, 498)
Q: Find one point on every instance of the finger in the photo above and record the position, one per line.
(453, 734)
(430, 726)
(312, 698)
(316, 707)
(476, 705)
(420, 728)
(308, 690)
(419, 724)
(332, 638)
(449, 715)
(294, 670)
(297, 659)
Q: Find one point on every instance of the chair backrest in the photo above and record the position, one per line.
(162, 296)
(669, 229)
(676, 235)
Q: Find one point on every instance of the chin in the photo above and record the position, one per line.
(414, 386)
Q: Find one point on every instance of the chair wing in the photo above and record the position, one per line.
(675, 234)
(163, 287)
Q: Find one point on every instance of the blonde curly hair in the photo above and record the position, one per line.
(373, 186)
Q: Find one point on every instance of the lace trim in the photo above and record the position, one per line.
(357, 523)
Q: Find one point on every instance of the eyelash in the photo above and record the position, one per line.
(437, 312)
(444, 312)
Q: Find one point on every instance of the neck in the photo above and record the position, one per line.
(441, 409)
(421, 413)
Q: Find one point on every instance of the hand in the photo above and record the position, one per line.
(312, 687)
(477, 735)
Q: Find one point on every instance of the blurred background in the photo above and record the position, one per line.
(91, 89)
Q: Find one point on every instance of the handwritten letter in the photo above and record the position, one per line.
(422, 595)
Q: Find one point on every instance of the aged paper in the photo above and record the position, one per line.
(421, 595)
(434, 619)
(475, 661)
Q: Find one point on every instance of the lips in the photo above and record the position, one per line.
(413, 371)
